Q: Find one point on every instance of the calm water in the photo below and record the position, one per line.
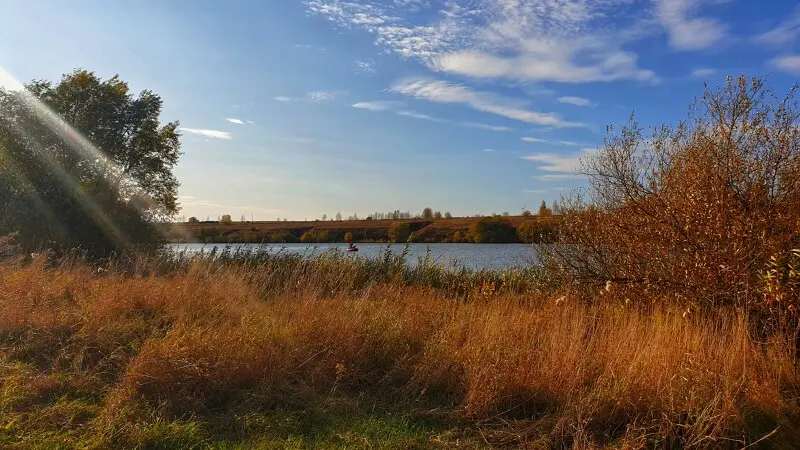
(475, 256)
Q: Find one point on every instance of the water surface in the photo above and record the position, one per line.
(473, 256)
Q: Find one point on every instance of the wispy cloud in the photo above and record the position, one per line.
(701, 72)
(488, 150)
(558, 166)
(367, 66)
(483, 126)
(551, 141)
(416, 115)
(786, 32)
(312, 97)
(522, 40)
(534, 191)
(686, 30)
(236, 121)
(214, 134)
(388, 105)
(787, 63)
(533, 139)
(444, 92)
(577, 101)
(375, 106)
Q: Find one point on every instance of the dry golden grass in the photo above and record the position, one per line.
(106, 356)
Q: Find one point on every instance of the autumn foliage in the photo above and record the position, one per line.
(698, 209)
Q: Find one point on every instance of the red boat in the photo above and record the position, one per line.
(351, 248)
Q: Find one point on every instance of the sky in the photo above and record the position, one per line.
(296, 109)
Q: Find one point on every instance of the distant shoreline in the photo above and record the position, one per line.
(454, 230)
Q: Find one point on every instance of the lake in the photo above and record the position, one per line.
(474, 256)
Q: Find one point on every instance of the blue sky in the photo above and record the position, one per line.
(299, 108)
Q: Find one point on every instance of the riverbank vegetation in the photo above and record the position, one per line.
(664, 314)
(490, 229)
(282, 351)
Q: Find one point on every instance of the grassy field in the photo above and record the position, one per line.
(441, 230)
(281, 352)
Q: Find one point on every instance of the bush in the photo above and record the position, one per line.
(495, 229)
(536, 232)
(315, 236)
(696, 209)
(399, 232)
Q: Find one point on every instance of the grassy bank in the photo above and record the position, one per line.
(454, 230)
(283, 352)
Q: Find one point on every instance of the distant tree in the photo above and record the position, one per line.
(324, 217)
(506, 214)
(338, 216)
(193, 219)
(427, 213)
(437, 215)
(526, 213)
(103, 194)
(399, 232)
(348, 237)
(493, 230)
(243, 219)
(447, 215)
(368, 218)
(544, 211)
(226, 219)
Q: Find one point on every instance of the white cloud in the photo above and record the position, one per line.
(533, 139)
(420, 116)
(577, 101)
(236, 121)
(366, 66)
(785, 33)
(444, 92)
(312, 97)
(788, 63)
(703, 72)
(214, 134)
(250, 122)
(488, 150)
(375, 106)
(534, 191)
(322, 96)
(686, 31)
(548, 40)
(558, 166)
(484, 126)
(550, 141)
(388, 105)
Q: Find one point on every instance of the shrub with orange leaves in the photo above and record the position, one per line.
(696, 210)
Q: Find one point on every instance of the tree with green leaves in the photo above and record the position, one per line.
(85, 164)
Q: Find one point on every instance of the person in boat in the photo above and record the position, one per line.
(351, 246)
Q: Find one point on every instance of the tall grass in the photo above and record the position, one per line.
(120, 356)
